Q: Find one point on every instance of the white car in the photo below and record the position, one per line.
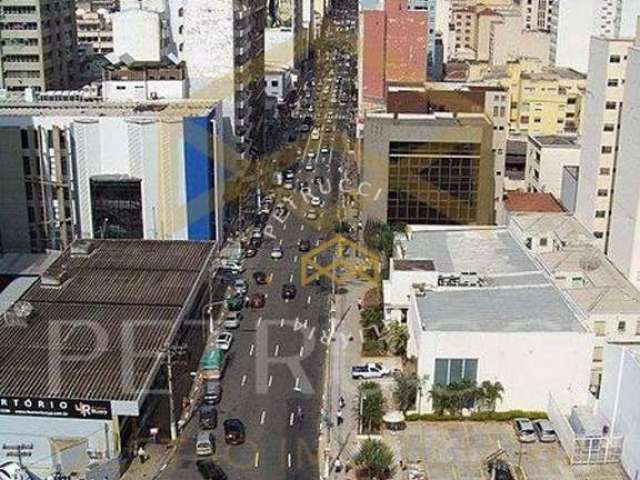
(315, 201)
(315, 135)
(324, 150)
(224, 340)
(312, 214)
(288, 185)
(276, 253)
(311, 156)
(309, 167)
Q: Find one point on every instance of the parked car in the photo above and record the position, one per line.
(224, 340)
(370, 370)
(524, 430)
(210, 471)
(213, 363)
(211, 392)
(233, 431)
(260, 278)
(304, 246)
(205, 444)
(235, 302)
(544, 430)
(288, 291)
(241, 286)
(235, 267)
(207, 417)
(276, 253)
(232, 320)
(257, 300)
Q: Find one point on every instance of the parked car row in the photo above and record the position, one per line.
(529, 431)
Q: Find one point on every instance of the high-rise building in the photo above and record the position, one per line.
(95, 32)
(439, 13)
(223, 46)
(601, 134)
(574, 22)
(536, 14)
(285, 41)
(38, 45)
(624, 243)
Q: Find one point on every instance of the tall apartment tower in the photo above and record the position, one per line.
(38, 45)
(222, 44)
(624, 244)
(573, 23)
(601, 134)
(536, 14)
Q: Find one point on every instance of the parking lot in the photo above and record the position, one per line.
(457, 451)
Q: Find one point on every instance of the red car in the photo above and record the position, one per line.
(257, 300)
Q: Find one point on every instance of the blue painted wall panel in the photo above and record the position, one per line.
(199, 178)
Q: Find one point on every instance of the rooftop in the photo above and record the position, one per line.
(497, 310)
(123, 295)
(485, 250)
(563, 141)
(413, 265)
(532, 202)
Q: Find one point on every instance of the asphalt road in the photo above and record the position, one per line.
(277, 355)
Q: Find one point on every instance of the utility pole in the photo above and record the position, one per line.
(172, 413)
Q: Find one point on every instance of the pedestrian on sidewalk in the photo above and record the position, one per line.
(300, 413)
(341, 402)
(340, 420)
(142, 454)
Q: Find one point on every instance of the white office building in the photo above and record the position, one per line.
(573, 22)
(601, 134)
(547, 156)
(624, 243)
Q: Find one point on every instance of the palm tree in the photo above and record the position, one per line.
(372, 320)
(490, 393)
(376, 459)
(405, 391)
(371, 407)
(397, 335)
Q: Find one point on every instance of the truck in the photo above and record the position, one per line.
(369, 370)
(213, 363)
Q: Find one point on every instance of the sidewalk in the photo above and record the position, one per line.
(159, 455)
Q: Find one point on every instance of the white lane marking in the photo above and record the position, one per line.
(284, 227)
(302, 227)
(291, 278)
(244, 380)
(302, 350)
(280, 242)
(251, 350)
(263, 416)
(281, 322)
(276, 351)
(289, 460)
(270, 380)
(295, 259)
(259, 322)
(297, 385)
(291, 417)
(309, 300)
(256, 461)
(266, 295)
(312, 332)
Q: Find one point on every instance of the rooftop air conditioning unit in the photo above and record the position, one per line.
(81, 248)
(54, 277)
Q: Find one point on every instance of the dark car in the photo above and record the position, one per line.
(233, 431)
(288, 291)
(260, 278)
(304, 246)
(257, 300)
(210, 471)
(208, 417)
(256, 242)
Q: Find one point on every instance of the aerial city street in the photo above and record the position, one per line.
(319, 240)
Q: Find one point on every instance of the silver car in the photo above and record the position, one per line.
(205, 444)
(545, 431)
(524, 430)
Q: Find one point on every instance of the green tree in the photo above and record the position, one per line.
(405, 391)
(396, 335)
(454, 397)
(490, 393)
(371, 406)
(375, 459)
(372, 319)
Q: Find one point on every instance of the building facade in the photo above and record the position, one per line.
(601, 135)
(95, 31)
(39, 46)
(547, 156)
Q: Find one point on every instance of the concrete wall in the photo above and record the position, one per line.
(372, 57)
(624, 246)
(566, 355)
(569, 190)
(406, 46)
(130, 27)
(549, 168)
(120, 91)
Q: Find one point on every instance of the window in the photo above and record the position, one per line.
(605, 171)
(612, 82)
(638, 327)
(598, 234)
(543, 242)
(609, 127)
(571, 101)
(116, 207)
(599, 328)
(614, 59)
(537, 120)
(597, 354)
(606, 149)
(603, 192)
(611, 105)
(622, 327)
(24, 138)
(600, 213)
(524, 120)
(26, 166)
(181, 12)
(452, 370)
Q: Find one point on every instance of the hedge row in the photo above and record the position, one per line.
(478, 416)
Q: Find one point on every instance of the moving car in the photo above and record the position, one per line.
(315, 201)
(261, 278)
(232, 320)
(304, 246)
(207, 417)
(257, 300)
(524, 430)
(288, 291)
(210, 471)
(324, 150)
(309, 167)
(311, 214)
(233, 431)
(211, 392)
(545, 431)
(205, 444)
(370, 370)
(276, 253)
(224, 340)
(315, 135)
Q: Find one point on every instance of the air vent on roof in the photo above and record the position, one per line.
(54, 277)
(18, 315)
(590, 263)
(81, 248)
(420, 289)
